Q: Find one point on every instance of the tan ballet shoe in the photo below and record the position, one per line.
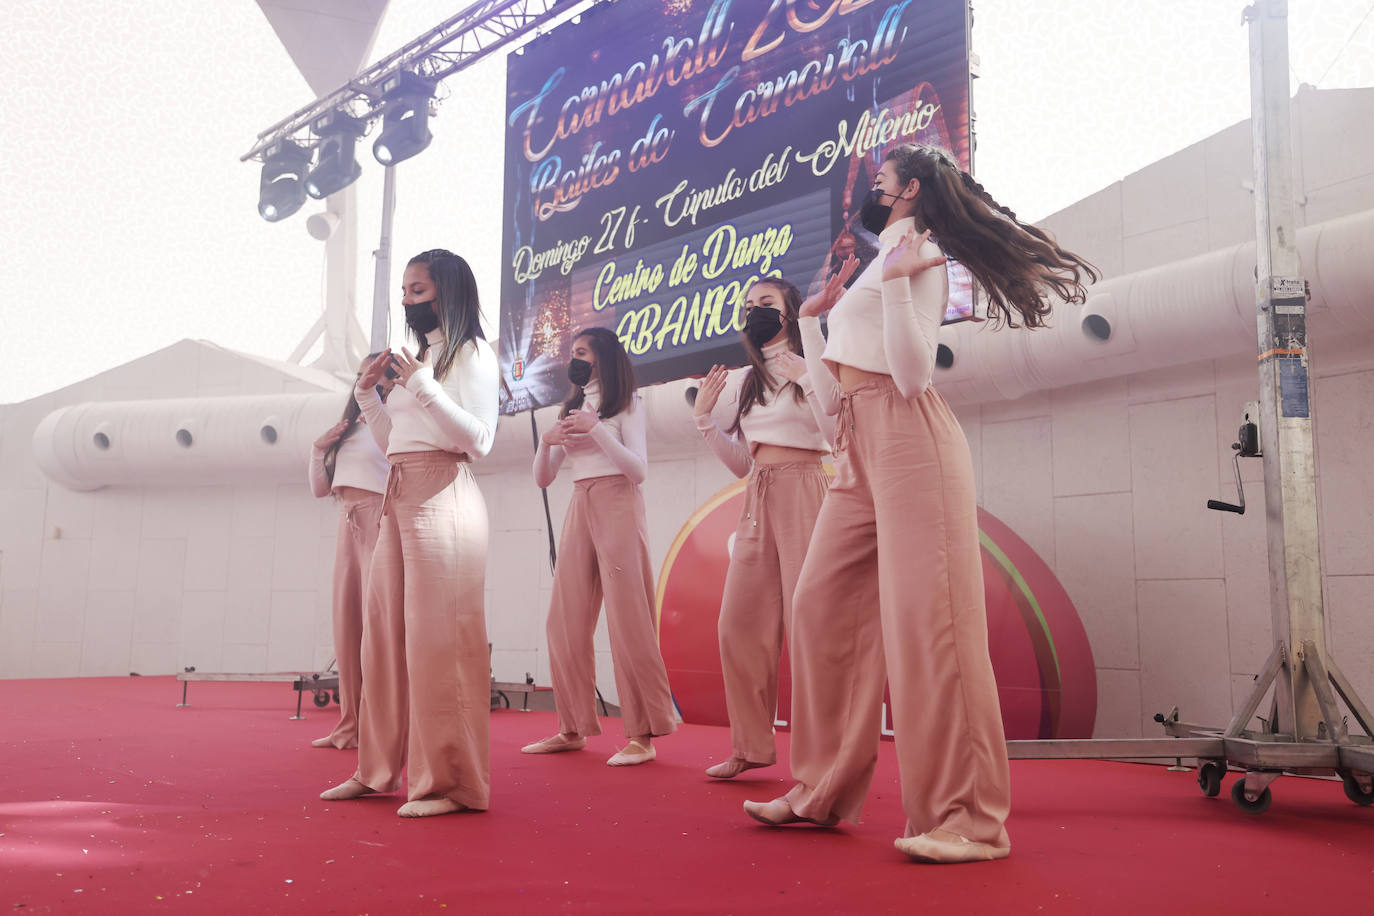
(732, 768)
(347, 790)
(555, 745)
(430, 807)
(777, 812)
(632, 754)
(328, 741)
(929, 849)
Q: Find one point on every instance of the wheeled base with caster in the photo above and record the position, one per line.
(1263, 756)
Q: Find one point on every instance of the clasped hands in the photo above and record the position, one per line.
(572, 429)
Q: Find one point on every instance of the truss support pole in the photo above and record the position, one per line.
(1306, 732)
(381, 283)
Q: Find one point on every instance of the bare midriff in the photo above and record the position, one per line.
(784, 454)
(851, 378)
(353, 493)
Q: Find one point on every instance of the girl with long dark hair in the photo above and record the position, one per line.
(426, 673)
(603, 553)
(892, 586)
(778, 433)
(353, 468)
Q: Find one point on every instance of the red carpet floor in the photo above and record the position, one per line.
(114, 801)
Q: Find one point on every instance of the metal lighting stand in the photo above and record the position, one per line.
(381, 280)
(1305, 733)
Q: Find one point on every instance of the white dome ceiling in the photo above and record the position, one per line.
(329, 40)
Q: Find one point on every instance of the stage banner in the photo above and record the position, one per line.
(663, 154)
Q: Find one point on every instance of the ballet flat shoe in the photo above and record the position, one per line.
(430, 807)
(731, 768)
(555, 745)
(777, 812)
(632, 754)
(927, 849)
(346, 791)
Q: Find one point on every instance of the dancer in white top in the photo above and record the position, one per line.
(348, 464)
(426, 671)
(776, 435)
(892, 587)
(603, 553)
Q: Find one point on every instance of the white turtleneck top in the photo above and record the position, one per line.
(359, 463)
(888, 327)
(615, 445)
(456, 415)
(781, 420)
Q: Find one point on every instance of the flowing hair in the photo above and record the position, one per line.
(1016, 264)
(455, 305)
(757, 382)
(613, 368)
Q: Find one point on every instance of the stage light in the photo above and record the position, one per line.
(336, 166)
(282, 189)
(405, 119)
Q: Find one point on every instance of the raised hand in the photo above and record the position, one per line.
(708, 391)
(825, 300)
(406, 365)
(374, 369)
(331, 435)
(904, 260)
(789, 365)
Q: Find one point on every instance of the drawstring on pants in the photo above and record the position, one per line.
(351, 517)
(393, 486)
(757, 490)
(844, 422)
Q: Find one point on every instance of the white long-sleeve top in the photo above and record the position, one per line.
(778, 421)
(456, 415)
(889, 327)
(615, 445)
(360, 463)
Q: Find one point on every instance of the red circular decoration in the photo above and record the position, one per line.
(1046, 680)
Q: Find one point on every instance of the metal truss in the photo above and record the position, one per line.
(444, 50)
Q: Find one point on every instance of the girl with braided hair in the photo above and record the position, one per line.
(892, 583)
(349, 464)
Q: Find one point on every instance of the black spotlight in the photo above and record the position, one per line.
(337, 165)
(282, 190)
(405, 120)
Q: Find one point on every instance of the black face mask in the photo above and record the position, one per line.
(421, 318)
(874, 213)
(579, 372)
(761, 325)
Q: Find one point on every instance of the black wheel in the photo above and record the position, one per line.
(1258, 806)
(1355, 793)
(335, 696)
(321, 698)
(1209, 778)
